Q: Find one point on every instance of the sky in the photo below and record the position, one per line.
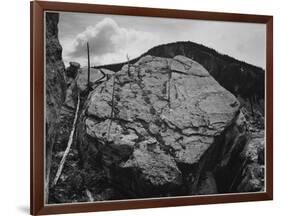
(113, 37)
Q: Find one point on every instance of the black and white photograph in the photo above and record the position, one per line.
(149, 107)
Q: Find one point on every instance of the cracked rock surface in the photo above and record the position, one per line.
(154, 119)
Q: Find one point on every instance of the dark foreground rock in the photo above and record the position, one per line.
(252, 172)
(55, 85)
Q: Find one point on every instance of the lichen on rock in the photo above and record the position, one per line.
(183, 129)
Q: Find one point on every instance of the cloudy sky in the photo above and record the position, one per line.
(112, 37)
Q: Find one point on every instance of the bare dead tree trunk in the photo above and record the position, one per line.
(89, 65)
(128, 62)
(70, 140)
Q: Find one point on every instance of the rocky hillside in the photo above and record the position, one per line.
(158, 127)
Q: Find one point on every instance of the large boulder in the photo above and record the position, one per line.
(154, 125)
(72, 70)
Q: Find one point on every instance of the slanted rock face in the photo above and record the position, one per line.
(55, 84)
(152, 125)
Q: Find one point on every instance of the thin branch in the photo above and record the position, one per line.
(103, 76)
(89, 195)
(89, 64)
(128, 62)
(70, 140)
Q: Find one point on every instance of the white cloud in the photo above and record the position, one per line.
(109, 43)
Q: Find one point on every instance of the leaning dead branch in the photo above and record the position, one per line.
(89, 195)
(70, 140)
(103, 76)
(89, 66)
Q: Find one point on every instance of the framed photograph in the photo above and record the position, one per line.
(142, 107)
